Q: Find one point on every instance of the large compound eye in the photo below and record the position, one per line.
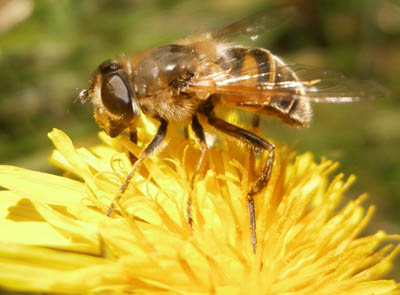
(116, 96)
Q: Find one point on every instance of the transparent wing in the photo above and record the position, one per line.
(324, 86)
(257, 23)
(292, 81)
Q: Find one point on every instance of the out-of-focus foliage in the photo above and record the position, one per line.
(50, 51)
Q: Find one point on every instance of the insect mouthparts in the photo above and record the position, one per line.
(83, 96)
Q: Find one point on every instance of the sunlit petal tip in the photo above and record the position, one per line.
(56, 237)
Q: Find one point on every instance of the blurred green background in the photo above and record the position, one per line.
(48, 49)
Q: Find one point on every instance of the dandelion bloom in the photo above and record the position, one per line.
(56, 238)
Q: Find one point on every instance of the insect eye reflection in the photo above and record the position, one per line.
(116, 95)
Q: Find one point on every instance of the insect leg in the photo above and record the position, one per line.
(258, 144)
(133, 138)
(255, 126)
(199, 131)
(155, 142)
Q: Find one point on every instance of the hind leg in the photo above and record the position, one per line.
(258, 144)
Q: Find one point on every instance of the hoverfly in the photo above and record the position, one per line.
(187, 79)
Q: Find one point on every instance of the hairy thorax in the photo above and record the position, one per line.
(160, 81)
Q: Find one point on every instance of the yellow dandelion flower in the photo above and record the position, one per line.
(56, 238)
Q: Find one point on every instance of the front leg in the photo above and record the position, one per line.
(155, 142)
(133, 138)
(258, 144)
(199, 131)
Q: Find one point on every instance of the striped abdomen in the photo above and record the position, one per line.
(260, 70)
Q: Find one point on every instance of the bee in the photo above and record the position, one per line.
(186, 80)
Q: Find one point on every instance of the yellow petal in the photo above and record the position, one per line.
(43, 187)
(305, 244)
